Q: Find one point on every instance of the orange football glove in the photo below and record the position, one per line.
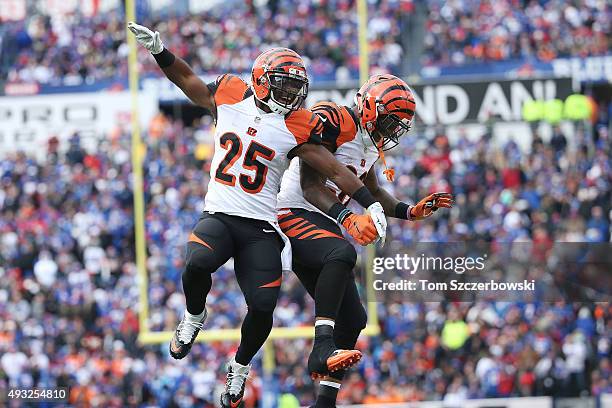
(361, 228)
(429, 205)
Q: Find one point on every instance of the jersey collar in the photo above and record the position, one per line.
(367, 141)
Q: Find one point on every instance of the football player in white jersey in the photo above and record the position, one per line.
(322, 259)
(259, 129)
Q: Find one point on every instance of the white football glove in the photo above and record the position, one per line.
(380, 222)
(147, 38)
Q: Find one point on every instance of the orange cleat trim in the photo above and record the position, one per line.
(343, 360)
(175, 348)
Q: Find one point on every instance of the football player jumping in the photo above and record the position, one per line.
(322, 259)
(259, 128)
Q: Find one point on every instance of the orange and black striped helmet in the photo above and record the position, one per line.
(386, 108)
(279, 80)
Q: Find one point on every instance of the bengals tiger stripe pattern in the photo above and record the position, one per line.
(299, 228)
(340, 124)
(393, 93)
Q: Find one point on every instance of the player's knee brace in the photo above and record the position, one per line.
(344, 252)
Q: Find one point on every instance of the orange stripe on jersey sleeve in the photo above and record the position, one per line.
(348, 127)
(329, 111)
(339, 127)
(230, 90)
(305, 126)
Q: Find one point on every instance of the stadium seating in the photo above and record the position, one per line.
(83, 50)
(68, 282)
(68, 286)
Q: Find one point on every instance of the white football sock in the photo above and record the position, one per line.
(195, 318)
(325, 322)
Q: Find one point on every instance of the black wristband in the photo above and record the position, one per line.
(364, 197)
(339, 212)
(165, 58)
(401, 211)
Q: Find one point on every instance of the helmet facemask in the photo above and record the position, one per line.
(388, 130)
(385, 132)
(287, 91)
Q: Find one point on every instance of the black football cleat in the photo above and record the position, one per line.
(237, 375)
(184, 336)
(325, 359)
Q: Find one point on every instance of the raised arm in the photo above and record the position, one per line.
(175, 68)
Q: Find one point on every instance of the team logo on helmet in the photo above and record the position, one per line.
(279, 80)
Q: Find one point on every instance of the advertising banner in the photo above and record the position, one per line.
(589, 69)
(28, 122)
(473, 102)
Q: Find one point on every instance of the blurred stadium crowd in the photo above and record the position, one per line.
(226, 39)
(68, 285)
(76, 50)
(496, 30)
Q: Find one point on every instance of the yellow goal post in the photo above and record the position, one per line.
(146, 336)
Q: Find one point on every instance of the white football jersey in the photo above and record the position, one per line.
(252, 151)
(351, 145)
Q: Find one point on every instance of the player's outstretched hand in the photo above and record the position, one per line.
(380, 221)
(147, 38)
(361, 228)
(430, 204)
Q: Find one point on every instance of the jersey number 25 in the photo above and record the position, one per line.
(232, 143)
